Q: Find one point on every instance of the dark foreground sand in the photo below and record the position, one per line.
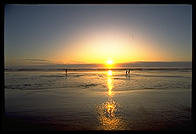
(162, 110)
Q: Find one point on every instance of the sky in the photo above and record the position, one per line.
(95, 33)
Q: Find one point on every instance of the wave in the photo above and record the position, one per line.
(172, 76)
(102, 69)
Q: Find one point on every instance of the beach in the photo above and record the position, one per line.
(99, 100)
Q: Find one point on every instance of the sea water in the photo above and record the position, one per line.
(100, 100)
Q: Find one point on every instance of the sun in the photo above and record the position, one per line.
(109, 62)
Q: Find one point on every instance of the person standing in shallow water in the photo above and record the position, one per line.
(128, 72)
(66, 71)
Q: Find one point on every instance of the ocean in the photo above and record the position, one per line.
(99, 99)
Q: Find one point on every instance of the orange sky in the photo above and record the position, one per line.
(70, 34)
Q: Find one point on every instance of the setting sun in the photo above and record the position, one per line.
(109, 62)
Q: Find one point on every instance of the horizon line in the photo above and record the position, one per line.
(101, 63)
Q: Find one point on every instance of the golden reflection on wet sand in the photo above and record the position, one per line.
(108, 116)
(109, 82)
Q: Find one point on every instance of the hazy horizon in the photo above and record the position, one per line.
(186, 64)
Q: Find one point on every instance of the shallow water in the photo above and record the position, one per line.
(101, 100)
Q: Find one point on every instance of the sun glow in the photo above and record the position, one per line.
(109, 62)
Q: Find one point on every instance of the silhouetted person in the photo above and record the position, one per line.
(66, 71)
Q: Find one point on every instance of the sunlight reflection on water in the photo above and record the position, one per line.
(108, 112)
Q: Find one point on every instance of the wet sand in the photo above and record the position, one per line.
(138, 110)
(99, 107)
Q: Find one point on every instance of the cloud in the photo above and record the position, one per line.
(37, 60)
(32, 61)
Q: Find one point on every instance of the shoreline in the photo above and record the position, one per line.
(104, 69)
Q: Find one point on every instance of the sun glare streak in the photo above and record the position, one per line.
(110, 86)
(109, 83)
(107, 111)
(109, 73)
